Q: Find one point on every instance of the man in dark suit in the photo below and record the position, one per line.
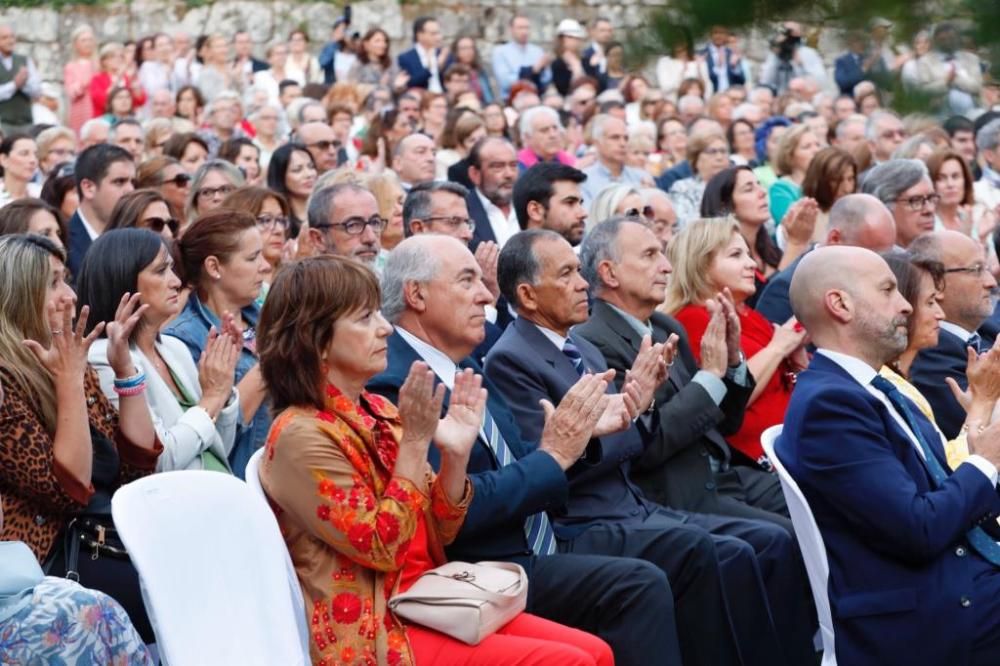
(492, 170)
(104, 174)
(725, 68)
(594, 58)
(856, 219)
(433, 293)
(913, 579)
(967, 301)
(421, 62)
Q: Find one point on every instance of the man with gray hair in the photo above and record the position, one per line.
(858, 220)
(885, 132)
(344, 220)
(128, 134)
(542, 136)
(690, 108)
(433, 293)
(987, 188)
(905, 187)
(850, 132)
(749, 112)
(223, 116)
(413, 159)
(93, 132)
(610, 136)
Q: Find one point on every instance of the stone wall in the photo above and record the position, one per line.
(44, 33)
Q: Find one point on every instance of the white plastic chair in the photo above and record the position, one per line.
(810, 542)
(213, 568)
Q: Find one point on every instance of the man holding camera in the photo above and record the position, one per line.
(790, 58)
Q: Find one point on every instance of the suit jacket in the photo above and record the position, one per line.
(420, 76)
(459, 173)
(503, 497)
(735, 72)
(899, 564)
(79, 243)
(848, 73)
(674, 468)
(677, 172)
(484, 230)
(773, 301)
(527, 367)
(947, 359)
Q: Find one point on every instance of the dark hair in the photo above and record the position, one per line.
(199, 100)
(936, 162)
(731, 132)
(517, 263)
(823, 176)
(14, 216)
(385, 61)
(536, 183)
(476, 152)
(94, 163)
(115, 90)
(178, 143)
(112, 269)
(214, 234)
(718, 202)
(417, 205)
(230, 149)
(420, 24)
(296, 324)
(287, 83)
(908, 270)
(55, 188)
(956, 124)
(278, 169)
(476, 64)
(129, 209)
(8, 142)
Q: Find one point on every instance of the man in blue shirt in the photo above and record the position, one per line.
(611, 140)
(517, 59)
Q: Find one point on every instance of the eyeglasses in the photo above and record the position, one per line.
(272, 221)
(715, 151)
(636, 213)
(213, 192)
(157, 224)
(918, 202)
(355, 226)
(324, 146)
(453, 222)
(975, 270)
(180, 180)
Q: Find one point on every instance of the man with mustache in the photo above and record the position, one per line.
(492, 170)
(913, 578)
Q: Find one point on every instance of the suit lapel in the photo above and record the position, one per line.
(541, 345)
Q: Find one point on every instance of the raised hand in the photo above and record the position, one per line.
(983, 374)
(733, 327)
(419, 409)
(788, 337)
(127, 316)
(230, 328)
(217, 371)
(66, 356)
(984, 440)
(621, 409)
(457, 431)
(487, 255)
(800, 221)
(714, 350)
(569, 428)
(649, 370)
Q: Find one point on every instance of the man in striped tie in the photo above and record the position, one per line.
(434, 294)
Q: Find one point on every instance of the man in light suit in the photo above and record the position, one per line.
(421, 62)
(432, 291)
(913, 578)
(538, 358)
(967, 301)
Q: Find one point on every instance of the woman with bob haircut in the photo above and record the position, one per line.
(194, 408)
(832, 174)
(33, 216)
(214, 181)
(145, 209)
(271, 211)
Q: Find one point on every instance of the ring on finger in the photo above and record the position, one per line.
(57, 332)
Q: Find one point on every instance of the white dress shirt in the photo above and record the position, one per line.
(863, 374)
(430, 62)
(956, 330)
(503, 226)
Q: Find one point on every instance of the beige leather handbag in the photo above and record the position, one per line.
(465, 601)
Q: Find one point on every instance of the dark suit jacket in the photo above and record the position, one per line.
(990, 329)
(736, 75)
(79, 243)
(527, 367)
(678, 172)
(948, 359)
(420, 76)
(503, 497)
(459, 173)
(773, 301)
(899, 564)
(483, 231)
(848, 73)
(674, 469)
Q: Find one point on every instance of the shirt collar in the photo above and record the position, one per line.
(86, 225)
(558, 340)
(956, 330)
(438, 361)
(641, 327)
(860, 371)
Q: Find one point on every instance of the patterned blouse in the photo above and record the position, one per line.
(348, 522)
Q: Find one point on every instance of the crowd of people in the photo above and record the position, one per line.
(527, 306)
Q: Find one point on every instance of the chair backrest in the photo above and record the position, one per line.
(810, 542)
(213, 568)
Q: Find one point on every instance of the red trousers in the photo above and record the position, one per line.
(526, 640)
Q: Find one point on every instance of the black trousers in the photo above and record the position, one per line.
(627, 602)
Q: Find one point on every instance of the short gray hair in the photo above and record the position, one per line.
(321, 201)
(890, 179)
(597, 125)
(408, 262)
(848, 214)
(529, 115)
(89, 126)
(231, 172)
(853, 119)
(417, 205)
(601, 244)
(871, 129)
(988, 136)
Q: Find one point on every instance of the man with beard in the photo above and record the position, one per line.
(913, 577)
(492, 172)
(547, 196)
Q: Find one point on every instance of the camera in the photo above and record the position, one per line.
(785, 43)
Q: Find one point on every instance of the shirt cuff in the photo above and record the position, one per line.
(738, 374)
(984, 466)
(715, 387)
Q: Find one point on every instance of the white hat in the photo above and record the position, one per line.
(571, 28)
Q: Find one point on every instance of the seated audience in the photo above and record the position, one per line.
(271, 211)
(59, 190)
(168, 177)
(212, 182)
(548, 196)
(708, 154)
(389, 196)
(187, 148)
(18, 164)
(344, 220)
(831, 175)
(957, 210)
(145, 209)
(33, 216)
(796, 150)
(905, 187)
(292, 174)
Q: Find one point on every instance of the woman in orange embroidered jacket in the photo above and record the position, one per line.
(361, 511)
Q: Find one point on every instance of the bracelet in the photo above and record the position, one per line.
(131, 390)
(130, 382)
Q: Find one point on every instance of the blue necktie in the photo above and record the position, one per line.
(976, 342)
(978, 539)
(572, 352)
(537, 527)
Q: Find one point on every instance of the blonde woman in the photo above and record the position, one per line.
(213, 181)
(612, 201)
(157, 131)
(389, 195)
(796, 150)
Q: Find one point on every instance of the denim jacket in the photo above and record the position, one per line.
(191, 327)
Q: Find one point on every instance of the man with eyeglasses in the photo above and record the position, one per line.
(968, 300)
(344, 220)
(322, 144)
(905, 187)
(611, 141)
(885, 133)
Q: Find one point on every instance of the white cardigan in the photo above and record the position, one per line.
(185, 435)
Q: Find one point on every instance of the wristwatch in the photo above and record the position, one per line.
(740, 362)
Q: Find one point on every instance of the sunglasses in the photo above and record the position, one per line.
(324, 146)
(638, 214)
(180, 180)
(157, 224)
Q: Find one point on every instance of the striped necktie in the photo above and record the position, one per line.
(537, 527)
(572, 352)
(978, 538)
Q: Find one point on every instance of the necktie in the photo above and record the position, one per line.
(978, 539)
(976, 342)
(537, 527)
(572, 352)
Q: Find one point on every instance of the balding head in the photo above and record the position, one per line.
(863, 221)
(846, 298)
(322, 144)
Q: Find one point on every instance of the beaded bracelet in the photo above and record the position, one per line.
(137, 379)
(131, 390)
